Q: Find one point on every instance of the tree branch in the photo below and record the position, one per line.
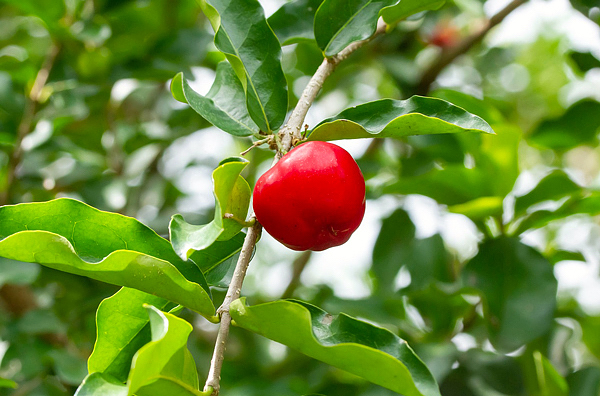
(289, 134)
(27, 120)
(298, 267)
(448, 56)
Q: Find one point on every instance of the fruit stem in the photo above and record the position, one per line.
(244, 223)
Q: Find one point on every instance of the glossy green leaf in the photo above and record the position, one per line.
(243, 35)
(519, 289)
(224, 105)
(232, 196)
(122, 327)
(398, 118)
(358, 347)
(293, 22)
(578, 125)
(163, 364)
(73, 237)
(340, 23)
(556, 185)
(166, 356)
(219, 260)
(479, 107)
(407, 8)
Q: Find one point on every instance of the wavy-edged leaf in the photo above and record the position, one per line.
(73, 237)
(122, 327)
(163, 364)
(417, 115)
(293, 22)
(556, 185)
(363, 349)
(519, 289)
(340, 23)
(232, 195)
(224, 105)
(406, 8)
(244, 36)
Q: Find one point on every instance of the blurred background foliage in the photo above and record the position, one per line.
(481, 251)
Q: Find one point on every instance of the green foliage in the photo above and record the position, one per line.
(472, 277)
(70, 236)
(398, 118)
(355, 346)
(232, 196)
(243, 35)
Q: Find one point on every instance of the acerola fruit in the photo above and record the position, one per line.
(313, 198)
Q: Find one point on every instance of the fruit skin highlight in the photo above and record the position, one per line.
(313, 198)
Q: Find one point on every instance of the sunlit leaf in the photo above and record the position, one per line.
(361, 348)
(224, 105)
(123, 327)
(243, 35)
(398, 118)
(73, 237)
(232, 196)
(519, 289)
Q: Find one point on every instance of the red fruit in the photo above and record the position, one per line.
(313, 198)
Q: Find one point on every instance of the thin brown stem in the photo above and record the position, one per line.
(298, 267)
(34, 97)
(448, 56)
(289, 135)
(233, 293)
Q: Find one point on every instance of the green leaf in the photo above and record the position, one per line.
(68, 367)
(479, 208)
(585, 203)
(358, 347)
(407, 8)
(17, 273)
(585, 61)
(398, 118)
(578, 125)
(451, 186)
(163, 364)
(340, 23)
(70, 236)
(556, 185)
(519, 289)
(397, 247)
(293, 22)
(232, 195)
(166, 356)
(584, 382)
(224, 105)
(122, 327)
(243, 35)
(218, 261)
(6, 383)
(548, 382)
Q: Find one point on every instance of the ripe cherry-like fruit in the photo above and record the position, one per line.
(313, 198)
